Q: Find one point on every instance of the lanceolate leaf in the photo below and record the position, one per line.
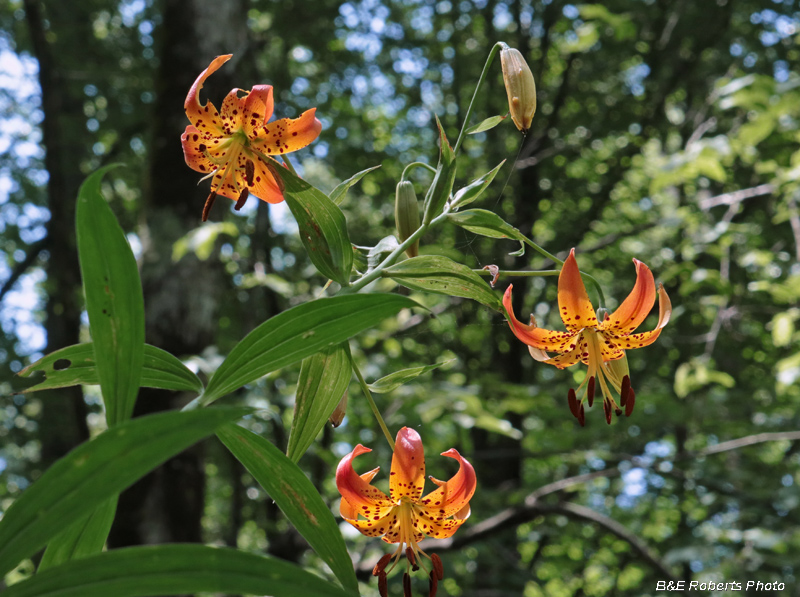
(475, 189)
(394, 380)
(442, 184)
(113, 300)
(434, 273)
(298, 333)
(75, 365)
(487, 223)
(96, 471)
(487, 124)
(323, 228)
(175, 570)
(323, 380)
(296, 497)
(337, 195)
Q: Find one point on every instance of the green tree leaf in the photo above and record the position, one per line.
(323, 380)
(487, 223)
(298, 333)
(296, 497)
(97, 470)
(75, 365)
(113, 299)
(486, 125)
(323, 228)
(175, 570)
(434, 273)
(394, 380)
(475, 189)
(337, 195)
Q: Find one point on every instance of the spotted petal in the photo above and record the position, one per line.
(531, 335)
(634, 309)
(265, 186)
(647, 338)
(573, 302)
(377, 527)
(287, 134)
(193, 143)
(204, 116)
(453, 495)
(440, 529)
(257, 109)
(367, 499)
(407, 478)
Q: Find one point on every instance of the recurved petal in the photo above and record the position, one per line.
(573, 303)
(453, 495)
(367, 499)
(232, 112)
(634, 309)
(647, 338)
(257, 109)
(287, 134)
(535, 336)
(578, 352)
(378, 527)
(346, 509)
(435, 527)
(193, 142)
(264, 185)
(408, 466)
(204, 116)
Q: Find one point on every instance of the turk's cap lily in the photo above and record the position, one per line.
(235, 145)
(404, 516)
(598, 343)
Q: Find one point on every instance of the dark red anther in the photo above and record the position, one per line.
(411, 558)
(434, 584)
(624, 390)
(607, 409)
(573, 403)
(381, 565)
(582, 417)
(590, 391)
(249, 172)
(242, 199)
(383, 585)
(437, 566)
(618, 412)
(207, 207)
(407, 585)
(631, 401)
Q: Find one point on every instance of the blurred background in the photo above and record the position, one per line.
(666, 131)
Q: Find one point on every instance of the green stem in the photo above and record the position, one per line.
(288, 163)
(520, 273)
(485, 71)
(543, 252)
(372, 404)
(416, 165)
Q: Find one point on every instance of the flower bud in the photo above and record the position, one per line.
(337, 416)
(406, 214)
(520, 87)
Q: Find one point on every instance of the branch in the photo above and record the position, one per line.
(749, 440)
(34, 251)
(736, 196)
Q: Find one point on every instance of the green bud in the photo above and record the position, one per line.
(406, 215)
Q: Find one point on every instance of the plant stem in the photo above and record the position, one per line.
(416, 165)
(520, 273)
(484, 72)
(372, 404)
(288, 163)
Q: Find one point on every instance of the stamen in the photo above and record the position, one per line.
(437, 566)
(607, 409)
(242, 199)
(407, 585)
(590, 391)
(631, 401)
(209, 202)
(383, 585)
(624, 390)
(582, 417)
(618, 412)
(411, 559)
(381, 565)
(573, 403)
(434, 585)
(249, 172)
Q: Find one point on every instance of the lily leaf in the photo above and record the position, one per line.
(442, 185)
(323, 380)
(175, 570)
(96, 471)
(441, 275)
(487, 223)
(114, 299)
(367, 258)
(475, 189)
(75, 365)
(298, 333)
(486, 125)
(394, 380)
(323, 228)
(296, 497)
(337, 195)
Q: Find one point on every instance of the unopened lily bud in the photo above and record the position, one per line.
(337, 416)
(520, 87)
(406, 215)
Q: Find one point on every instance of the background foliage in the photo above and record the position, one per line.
(666, 131)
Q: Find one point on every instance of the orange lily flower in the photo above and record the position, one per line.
(235, 145)
(597, 341)
(405, 517)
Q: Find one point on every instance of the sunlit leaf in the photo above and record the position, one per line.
(486, 125)
(475, 189)
(338, 194)
(394, 380)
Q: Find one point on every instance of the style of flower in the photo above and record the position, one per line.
(235, 146)
(404, 516)
(599, 341)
